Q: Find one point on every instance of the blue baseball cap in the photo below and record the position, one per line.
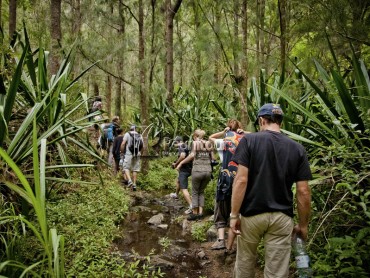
(269, 109)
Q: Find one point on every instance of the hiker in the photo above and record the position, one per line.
(132, 146)
(110, 135)
(201, 155)
(116, 149)
(262, 198)
(97, 105)
(184, 172)
(231, 136)
(102, 142)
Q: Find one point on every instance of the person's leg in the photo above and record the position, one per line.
(277, 243)
(187, 197)
(220, 225)
(135, 166)
(126, 167)
(196, 182)
(206, 177)
(175, 195)
(252, 230)
(183, 183)
(110, 153)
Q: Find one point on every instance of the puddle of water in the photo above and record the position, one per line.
(144, 239)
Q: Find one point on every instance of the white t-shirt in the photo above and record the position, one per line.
(219, 147)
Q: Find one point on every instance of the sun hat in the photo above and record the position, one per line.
(269, 109)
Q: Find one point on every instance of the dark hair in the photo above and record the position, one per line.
(276, 119)
(98, 98)
(119, 130)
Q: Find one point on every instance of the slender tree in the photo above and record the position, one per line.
(1, 11)
(142, 92)
(56, 34)
(170, 15)
(12, 17)
(108, 95)
(198, 58)
(244, 65)
(283, 34)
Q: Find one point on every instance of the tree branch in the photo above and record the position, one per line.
(129, 9)
(102, 68)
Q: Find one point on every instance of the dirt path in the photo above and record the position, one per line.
(169, 242)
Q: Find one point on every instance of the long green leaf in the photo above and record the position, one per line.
(12, 92)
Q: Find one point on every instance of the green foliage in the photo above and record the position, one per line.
(89, 217)
(165, 242)
(52, 244)
(199, 230)
(160, 175)
(344, 256)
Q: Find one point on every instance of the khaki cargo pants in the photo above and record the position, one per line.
(276, 229)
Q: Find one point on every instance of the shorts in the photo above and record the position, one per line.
(183, 179)
(131, 163)
(222, 212)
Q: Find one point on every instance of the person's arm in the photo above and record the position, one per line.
(237, 197)
(189, 158)
(303, 195)
(218, 135)
(181, 158)
(123, 145)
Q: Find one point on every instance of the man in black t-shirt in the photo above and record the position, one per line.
(262, 198)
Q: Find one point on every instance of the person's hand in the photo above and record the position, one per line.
(302, 232)
(235, 226)
(178, 167)
(240, 130)
(226, 129)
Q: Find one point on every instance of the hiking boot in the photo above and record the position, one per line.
(133, 187)
(189, 210)
(174, 196)
(218, 245)
(193, 217)
(129, 184)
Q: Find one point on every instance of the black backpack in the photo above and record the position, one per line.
(136, 143)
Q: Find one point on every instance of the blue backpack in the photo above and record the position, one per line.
(108, 133)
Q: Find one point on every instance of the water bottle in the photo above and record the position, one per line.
(301, 258)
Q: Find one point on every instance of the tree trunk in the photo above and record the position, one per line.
(152, 46)
(76, 23)
(56, 34)
(12, 17)
(1, 11)
(244, 88)
(217, 51)
(198, 60)
(236, 36)
(263, 33)
(120, 70)
(108, 96)
(283, 43)
(170, 15)
(76, 32)
(142, 93)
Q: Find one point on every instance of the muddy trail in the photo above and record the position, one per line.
(158, 226)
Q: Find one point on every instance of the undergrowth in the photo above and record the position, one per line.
(89, 217)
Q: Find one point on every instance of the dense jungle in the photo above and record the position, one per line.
(170, 67)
